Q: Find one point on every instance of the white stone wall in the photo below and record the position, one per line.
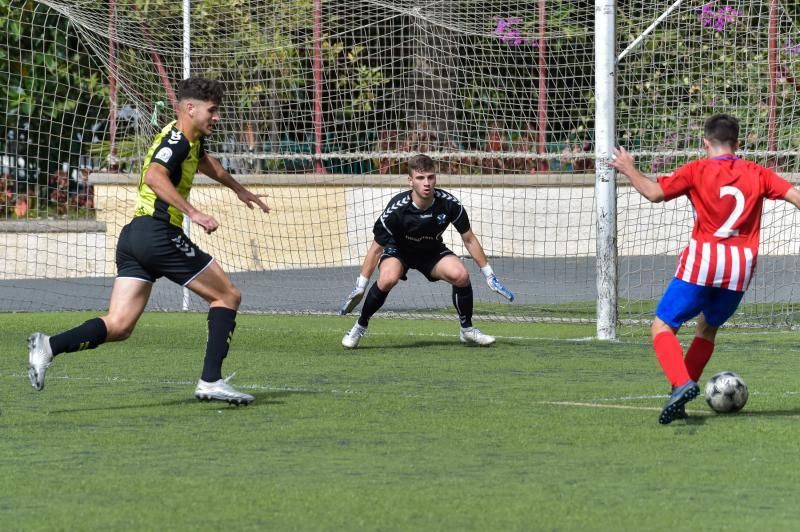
(328, 226)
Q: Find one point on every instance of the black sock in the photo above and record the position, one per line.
(88, 335)
(221, 323)
(372, 303)
(462, 300)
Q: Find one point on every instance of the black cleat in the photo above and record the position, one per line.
(675, 409)
(680, 413)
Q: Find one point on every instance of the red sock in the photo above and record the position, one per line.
(697, 356)
(670, 356)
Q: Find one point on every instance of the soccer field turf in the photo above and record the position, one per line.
(546, 430)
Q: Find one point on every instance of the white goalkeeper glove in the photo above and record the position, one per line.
(355, 296)
(494, 283)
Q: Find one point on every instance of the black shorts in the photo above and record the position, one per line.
(423, 262)
(148, 249)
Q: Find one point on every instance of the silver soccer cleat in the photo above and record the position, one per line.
(351, 339)
(221, 390)
(472, 335)
(39, 358)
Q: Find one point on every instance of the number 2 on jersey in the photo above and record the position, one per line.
(727, 230)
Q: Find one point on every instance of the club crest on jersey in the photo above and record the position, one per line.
(442, 218)
(164, 154)
(174, 137)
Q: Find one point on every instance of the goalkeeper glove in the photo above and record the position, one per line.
(495, 285)
(355, 296)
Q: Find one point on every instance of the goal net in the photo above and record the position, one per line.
(678, 63)
(326, 100)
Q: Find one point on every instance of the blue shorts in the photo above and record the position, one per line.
(683, 301)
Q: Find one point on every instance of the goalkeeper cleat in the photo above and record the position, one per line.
(677, 401)
(39, 358)
(472, 335)
(352, 301)
(495, 284)
(351, 339)
(221, 390)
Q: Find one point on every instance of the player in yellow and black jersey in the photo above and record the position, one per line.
(154, 245)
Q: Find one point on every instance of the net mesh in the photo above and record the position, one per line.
(325, 101)
(704, 58)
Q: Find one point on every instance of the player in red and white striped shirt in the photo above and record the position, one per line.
(716, 267)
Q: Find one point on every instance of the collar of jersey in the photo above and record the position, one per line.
(416, 207)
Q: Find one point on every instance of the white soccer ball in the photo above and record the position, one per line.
(726, 392)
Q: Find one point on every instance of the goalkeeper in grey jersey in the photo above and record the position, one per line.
(408, 234)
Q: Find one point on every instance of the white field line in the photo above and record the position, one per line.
(598, 405)
(607, 402)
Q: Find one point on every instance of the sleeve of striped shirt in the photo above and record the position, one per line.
(774, 186)
(679, 182)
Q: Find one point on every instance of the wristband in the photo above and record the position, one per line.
(487, 270)
(362, 281)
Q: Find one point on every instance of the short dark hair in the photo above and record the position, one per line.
(420, 163)
(722, 129)
(205, 90)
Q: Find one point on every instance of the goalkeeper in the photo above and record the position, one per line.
(408, 234)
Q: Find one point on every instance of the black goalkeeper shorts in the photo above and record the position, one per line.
(422, 261)
(150, 248)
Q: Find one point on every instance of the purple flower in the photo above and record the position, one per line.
(719, 18)
(792, 48)
(507, 30)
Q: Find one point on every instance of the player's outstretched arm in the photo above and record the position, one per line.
(211, 167)
(157, 179)
(793, 197)
(475, 250)
(622, 161)
(367, 268)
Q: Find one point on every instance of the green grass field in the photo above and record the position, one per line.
(546, 430)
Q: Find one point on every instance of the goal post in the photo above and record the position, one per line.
(605, 183)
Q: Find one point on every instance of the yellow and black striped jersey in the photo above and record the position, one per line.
(173, 151)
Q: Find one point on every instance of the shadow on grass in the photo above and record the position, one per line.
(701, 419)
(416, 344)
(758, 413)
(263, 398)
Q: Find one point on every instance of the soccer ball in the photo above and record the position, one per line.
(726, 392)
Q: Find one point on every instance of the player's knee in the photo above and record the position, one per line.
(118, 330)
(233, 298)
(387, 283)
(706, 331)
(658, 327)
(461, 279)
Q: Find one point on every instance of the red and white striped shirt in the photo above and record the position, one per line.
(717, 264)
(727, 194)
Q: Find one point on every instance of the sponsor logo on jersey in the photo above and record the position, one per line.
(421, 238)
(442, 219)
(164, 154)
(174, 137)
(426, 215)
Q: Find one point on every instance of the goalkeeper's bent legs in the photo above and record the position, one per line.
(372, 303)
(462, 300)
